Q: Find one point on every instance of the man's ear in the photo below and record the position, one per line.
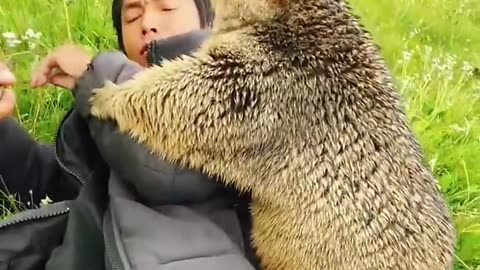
(173, 47)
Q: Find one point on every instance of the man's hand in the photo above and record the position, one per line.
(7, 96)
(62, 67)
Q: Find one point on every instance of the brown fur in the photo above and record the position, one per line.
(289, 99)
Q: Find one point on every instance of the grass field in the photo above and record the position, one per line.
(431, 46)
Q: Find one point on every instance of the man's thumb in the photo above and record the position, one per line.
(7, 103)
(62, 80)
(6, 77)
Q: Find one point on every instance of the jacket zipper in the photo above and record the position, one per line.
(108, 247)
(109, 240)
(57, 158)
(35, 217)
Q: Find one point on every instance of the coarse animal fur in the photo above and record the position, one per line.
(291, 101)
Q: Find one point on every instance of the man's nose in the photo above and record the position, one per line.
(149, 24)
(149, 31)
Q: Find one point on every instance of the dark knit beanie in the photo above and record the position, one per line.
(204, 7)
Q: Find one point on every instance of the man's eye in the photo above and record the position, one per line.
(133, 19)
(169, 5)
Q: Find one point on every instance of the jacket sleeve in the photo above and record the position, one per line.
(28, 169)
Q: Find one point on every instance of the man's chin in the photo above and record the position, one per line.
(141, 60)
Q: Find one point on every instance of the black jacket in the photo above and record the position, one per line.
(116, 206)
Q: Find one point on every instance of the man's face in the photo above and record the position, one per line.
(147, 20)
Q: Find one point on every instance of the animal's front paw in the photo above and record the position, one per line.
(103, 101)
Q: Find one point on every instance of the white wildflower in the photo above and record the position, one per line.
(476, 90)
(9, 35)
(406, 56)
(32, 45)
(12, 43)
(46, 201)
(457, 128)
(427, 77)
(451, 62)
(437, 63)
(467, 68)
(415, 32)
(30, 34)
(11, 39)
(30, 37)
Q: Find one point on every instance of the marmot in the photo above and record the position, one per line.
(291, 101)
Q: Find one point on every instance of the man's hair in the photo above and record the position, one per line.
(204, 8)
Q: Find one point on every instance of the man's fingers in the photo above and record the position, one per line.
(62, 80)
(7, 103)
(6, 77)
(43, 71)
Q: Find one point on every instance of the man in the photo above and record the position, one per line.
(116, 206)
(29, 170)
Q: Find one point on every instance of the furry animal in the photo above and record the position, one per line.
(291, 101)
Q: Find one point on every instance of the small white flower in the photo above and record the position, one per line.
(30, 34)
(11, 39)
(29, 37)
(451, 62)
(406, 56)
(467, 68)
(457, 128)
(9, 35)
(436, 62)
(428, 50)
(12, 43)
(46, 201)
(415, 32)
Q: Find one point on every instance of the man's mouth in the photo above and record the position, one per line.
(144, 50)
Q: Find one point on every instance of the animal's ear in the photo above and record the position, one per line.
(280, 3)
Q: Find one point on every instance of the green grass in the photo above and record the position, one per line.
(431, 46)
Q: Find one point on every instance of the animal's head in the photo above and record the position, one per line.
(234, 13)
(231, 13)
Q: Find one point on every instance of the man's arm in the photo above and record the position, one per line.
(27, 169)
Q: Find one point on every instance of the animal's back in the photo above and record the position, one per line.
(290, 100)
(340, 184)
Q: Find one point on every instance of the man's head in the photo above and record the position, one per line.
(137, 22)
